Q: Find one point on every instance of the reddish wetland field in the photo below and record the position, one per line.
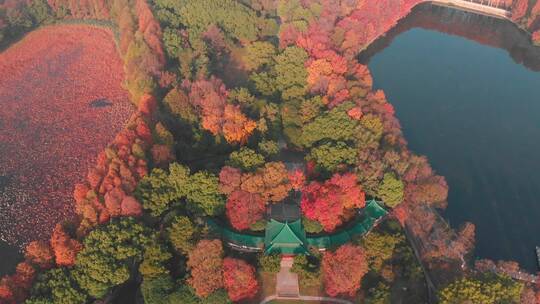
(61, 102)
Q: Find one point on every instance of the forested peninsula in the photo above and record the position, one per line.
(256, 145)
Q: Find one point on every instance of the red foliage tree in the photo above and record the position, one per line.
(150, 29)
(15, 288)
(465, 240)
(334, 201)
(431, 190)
(79, 194)
(24, 275)
(519, 9)
(147, 104)
(162, 155)
(206, 264)
(239, 279)
(113, 201)
(130, 207)
(343, 270)
(64, 247)
(210, 97)
(40, 254)
(6, 294)
(401, 213)
(244, 209)
(297, 179)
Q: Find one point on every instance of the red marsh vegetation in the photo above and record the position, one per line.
(61, 102)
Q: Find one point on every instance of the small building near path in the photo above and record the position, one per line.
(285, 238)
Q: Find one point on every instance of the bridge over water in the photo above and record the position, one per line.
(493, 8)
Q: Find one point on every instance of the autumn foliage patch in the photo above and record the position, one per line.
(49, 132)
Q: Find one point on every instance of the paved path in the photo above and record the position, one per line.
(287, 282)
(307, 298)
(287, 287)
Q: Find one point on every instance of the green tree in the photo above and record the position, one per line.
(371, 131)
(185, 295)
(172, 41)
(238, 21)
(268, 147)
(138, 60)
(218, 297)
(241, 96)
(156, 192)
(264, 83)
(486, 289)
(259, 225)
(391, 190)
(378, 295)
(330, 157)
(177, 103)
(40, 12)
(308, 269)
(270, 263)
(379, 248)
(203, 194)
(291, 73)
(333, 125)
(295, 10)
(290, 118)
(155, 257)
(157, 290)
(179, 178)
(246, 159)
(311, 108)
(56, 286)
(107, 255)
(259, 54)
(181, 234)
(311, 226)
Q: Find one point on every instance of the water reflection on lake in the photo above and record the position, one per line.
(466, 92)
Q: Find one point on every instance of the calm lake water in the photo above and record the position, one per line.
(9, 257)
(467, 95)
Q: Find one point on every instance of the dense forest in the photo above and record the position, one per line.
(225, 92)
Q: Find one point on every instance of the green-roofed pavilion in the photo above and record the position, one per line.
(285, 238)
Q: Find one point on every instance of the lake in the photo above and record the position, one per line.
(467, 93)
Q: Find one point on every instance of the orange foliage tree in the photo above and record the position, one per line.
(206, 264)
(271, 182)
(40, 254)
(64, 247)
(218, 117)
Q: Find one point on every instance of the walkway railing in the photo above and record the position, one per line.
(487, 7)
